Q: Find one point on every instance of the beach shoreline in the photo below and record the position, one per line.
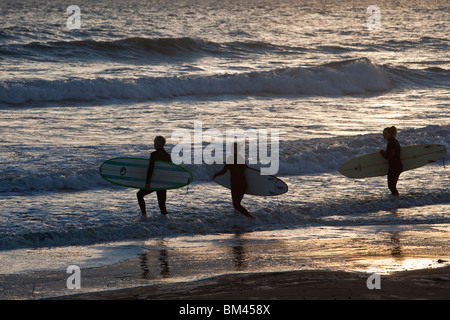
(424, 284)
(325, 264)
(123, 282)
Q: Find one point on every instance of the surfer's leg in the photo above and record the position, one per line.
(162, 196)
(393, 176)
(140, 196)
(236, 196)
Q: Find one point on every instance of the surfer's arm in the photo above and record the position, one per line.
(221, 172)
(390, 151)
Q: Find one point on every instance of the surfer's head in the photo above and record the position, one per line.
(159, 142)
(390, 132)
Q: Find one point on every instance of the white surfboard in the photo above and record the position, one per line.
(257, 184)
(374, 165)
(132, 173)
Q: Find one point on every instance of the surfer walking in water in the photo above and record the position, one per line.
(392, 154)
(238, 181)
(159, 154)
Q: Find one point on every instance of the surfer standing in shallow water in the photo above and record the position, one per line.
(392, 154)
(238, 180)
(159, 154)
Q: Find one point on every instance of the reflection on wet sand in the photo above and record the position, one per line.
(163, 261)
(185, 259)
(345, 248)
(239, 255)
(396, 250)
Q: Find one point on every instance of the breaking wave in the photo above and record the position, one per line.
(341, 78)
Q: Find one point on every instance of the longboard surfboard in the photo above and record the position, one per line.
(132, 173)
(257, 184)
(374, 165)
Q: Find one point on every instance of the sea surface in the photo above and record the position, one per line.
(316, 71)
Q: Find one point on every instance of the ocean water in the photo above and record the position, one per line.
(73, 98)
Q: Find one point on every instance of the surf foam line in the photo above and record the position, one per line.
(342, 78)
(65, 180)
(220, 219)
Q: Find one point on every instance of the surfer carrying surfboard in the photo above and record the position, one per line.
(238, 181)
(392, 154)
(159, 154)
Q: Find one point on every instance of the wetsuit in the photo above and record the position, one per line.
(392, 154)
(159, 154)
(238, 185)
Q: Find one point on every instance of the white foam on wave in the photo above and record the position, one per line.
(354, 77)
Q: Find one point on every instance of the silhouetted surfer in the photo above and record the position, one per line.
(159, 154)
(238, 180)
(392, 154)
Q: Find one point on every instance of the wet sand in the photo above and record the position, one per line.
(295, 285)
(126, 281)
(332, 263)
